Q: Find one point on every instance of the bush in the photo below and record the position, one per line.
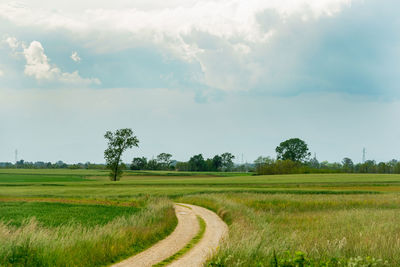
(280, 167)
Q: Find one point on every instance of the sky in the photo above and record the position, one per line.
(199, 76)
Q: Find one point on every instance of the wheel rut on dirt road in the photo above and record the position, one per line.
(186, 229)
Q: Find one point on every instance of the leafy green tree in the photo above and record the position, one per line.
(392, 165)
(293, 149)
(216, 163)
(227, 161)
(369, 166)
(153, 165)
(348, 165)
(396, 168)
(118, 142)
(164, 159)
(139, 163)
(197, 163)
(382, 167)
(209, 165)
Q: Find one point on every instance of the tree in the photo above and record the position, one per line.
(118, 142)
(153, 165)
(392, 165)
(262, 160)
(348, 165)
(369, 166)
(216, 163)
(227, 163)
(139, 163)
(164, 159)
(382, 167)
(397, 168)
(293, 149)
(197, 163)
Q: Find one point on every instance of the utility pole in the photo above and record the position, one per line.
(16, 156)
(363, 158)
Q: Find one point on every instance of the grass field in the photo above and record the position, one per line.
(333, 219)
(52, 214)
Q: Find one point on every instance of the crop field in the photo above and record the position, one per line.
(54, 214)
(80, 218)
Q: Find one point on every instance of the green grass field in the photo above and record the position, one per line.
(333, 219)
(55, 214)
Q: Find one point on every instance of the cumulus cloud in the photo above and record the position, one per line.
(238, 18)
(39, 67)
(275, 46)
(75, 57)
(12, 42)
(207, 33)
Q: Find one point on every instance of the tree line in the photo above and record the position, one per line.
(22, 164)
(267, 165)
(223, 162)
(293, 156)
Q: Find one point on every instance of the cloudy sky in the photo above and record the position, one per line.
(199, 76)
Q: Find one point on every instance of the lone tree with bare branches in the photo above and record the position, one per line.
(118, 142)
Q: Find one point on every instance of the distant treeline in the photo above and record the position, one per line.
(266, 166)
(21, 164)
(223, 162)
(289, 161)
(163, 161)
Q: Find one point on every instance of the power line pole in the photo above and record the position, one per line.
(16, 156)
(363, 158)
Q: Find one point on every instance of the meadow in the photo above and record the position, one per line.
(280, 220)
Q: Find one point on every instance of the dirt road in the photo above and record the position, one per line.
(216, 230)
(186, 229)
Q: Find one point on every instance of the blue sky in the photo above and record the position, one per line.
(199, 76)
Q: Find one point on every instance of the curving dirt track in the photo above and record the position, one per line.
(216, 230)
(186, 229)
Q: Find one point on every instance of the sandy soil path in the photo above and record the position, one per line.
(216, 231)
(186, 229)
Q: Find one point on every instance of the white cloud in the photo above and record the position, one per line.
(12, 42)
(38, 66)
(75, 57)
(233, 24)
(224, 18)
(1, 73)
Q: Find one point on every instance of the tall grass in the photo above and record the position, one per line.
(76, 245)
(326, 228)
